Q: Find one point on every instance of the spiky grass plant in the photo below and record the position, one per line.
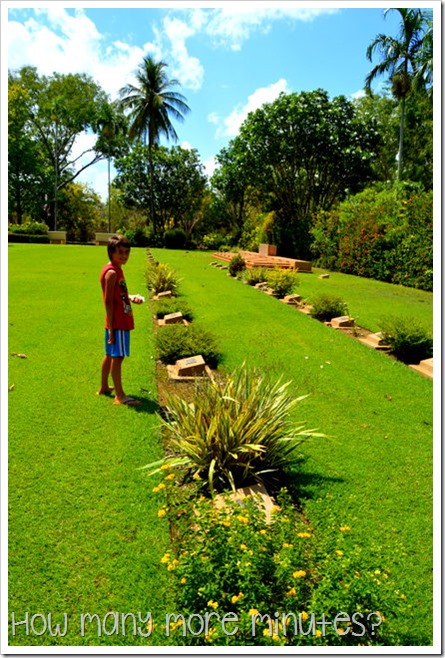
(160, 278)
(255, 275)
(234, 433)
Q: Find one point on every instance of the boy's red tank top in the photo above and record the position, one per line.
(122, 311)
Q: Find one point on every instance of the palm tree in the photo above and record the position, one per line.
(151, 103)
(400, 59)
(111, 126)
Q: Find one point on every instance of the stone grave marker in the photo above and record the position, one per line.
(291, 299)
(375, 341)
(342, 321)
(163, 295)
(173, 318)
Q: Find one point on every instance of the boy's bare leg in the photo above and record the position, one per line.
(106, 367)
(116, 374)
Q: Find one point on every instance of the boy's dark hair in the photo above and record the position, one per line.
(116, 241)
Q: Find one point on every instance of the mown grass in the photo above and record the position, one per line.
(374, 472)
(84, 536)
(368, 300)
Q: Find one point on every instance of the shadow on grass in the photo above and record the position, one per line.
(303, 485)
(147, 406)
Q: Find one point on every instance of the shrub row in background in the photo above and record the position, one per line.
(382, 233)
(25, 238)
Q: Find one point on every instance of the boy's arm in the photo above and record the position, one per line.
(110, 282)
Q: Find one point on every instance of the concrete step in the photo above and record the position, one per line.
(425, 368)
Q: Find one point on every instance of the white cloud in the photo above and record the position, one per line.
(232, 123)
(358, 94)
(230, 26)
(209, 166)
(72, 44)
(186, 68)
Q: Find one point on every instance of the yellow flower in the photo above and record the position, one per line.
(170, 476)
(286, 545)
(339, 553)
(237, 597)
(243, 547)
(155, 489)
(253, 611)
(344, 528)
(262, 531)
(196, 476)
(226, 523)
(318, 633)
(276, 638)
(266, 632)
(212, 604)
(208, 635)
(275, 508)
(304, 534)
(165, 558)
(403, 596)
(291, 592)
(173, 565)
(183, 580)
(162, 512)
(242, 519)
(161, 485)
(341, 631)
(377, 572)
(299, 574)
(304, 615)
(165, 467)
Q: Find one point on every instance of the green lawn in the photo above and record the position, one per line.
(374, 473)
(368, 300)
(84, 536)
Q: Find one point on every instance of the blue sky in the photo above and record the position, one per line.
(230, 58)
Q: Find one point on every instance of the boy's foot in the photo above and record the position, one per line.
(105, 391)
(130, 402)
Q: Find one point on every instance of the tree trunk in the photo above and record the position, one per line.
(402, 128)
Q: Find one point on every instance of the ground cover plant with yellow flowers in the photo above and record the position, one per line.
(240, 580)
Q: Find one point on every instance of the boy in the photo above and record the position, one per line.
(118, 320)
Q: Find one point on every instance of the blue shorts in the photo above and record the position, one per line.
(121, 345)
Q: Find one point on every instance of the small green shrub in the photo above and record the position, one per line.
(139, 236)
(255, 275)
(213, 241)
(277, 581)
(326, 307)
(237, 264)
(29, 228)
(409, 341)
(173, 305)
(160, 278)
(175, 238)
(177, 341)
(283, 282)
(237, 432)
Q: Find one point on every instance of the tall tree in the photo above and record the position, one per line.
(152, 103)
(112, 127)
(53, 112)
(300, 153)
(401, 59)
(179, 185)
